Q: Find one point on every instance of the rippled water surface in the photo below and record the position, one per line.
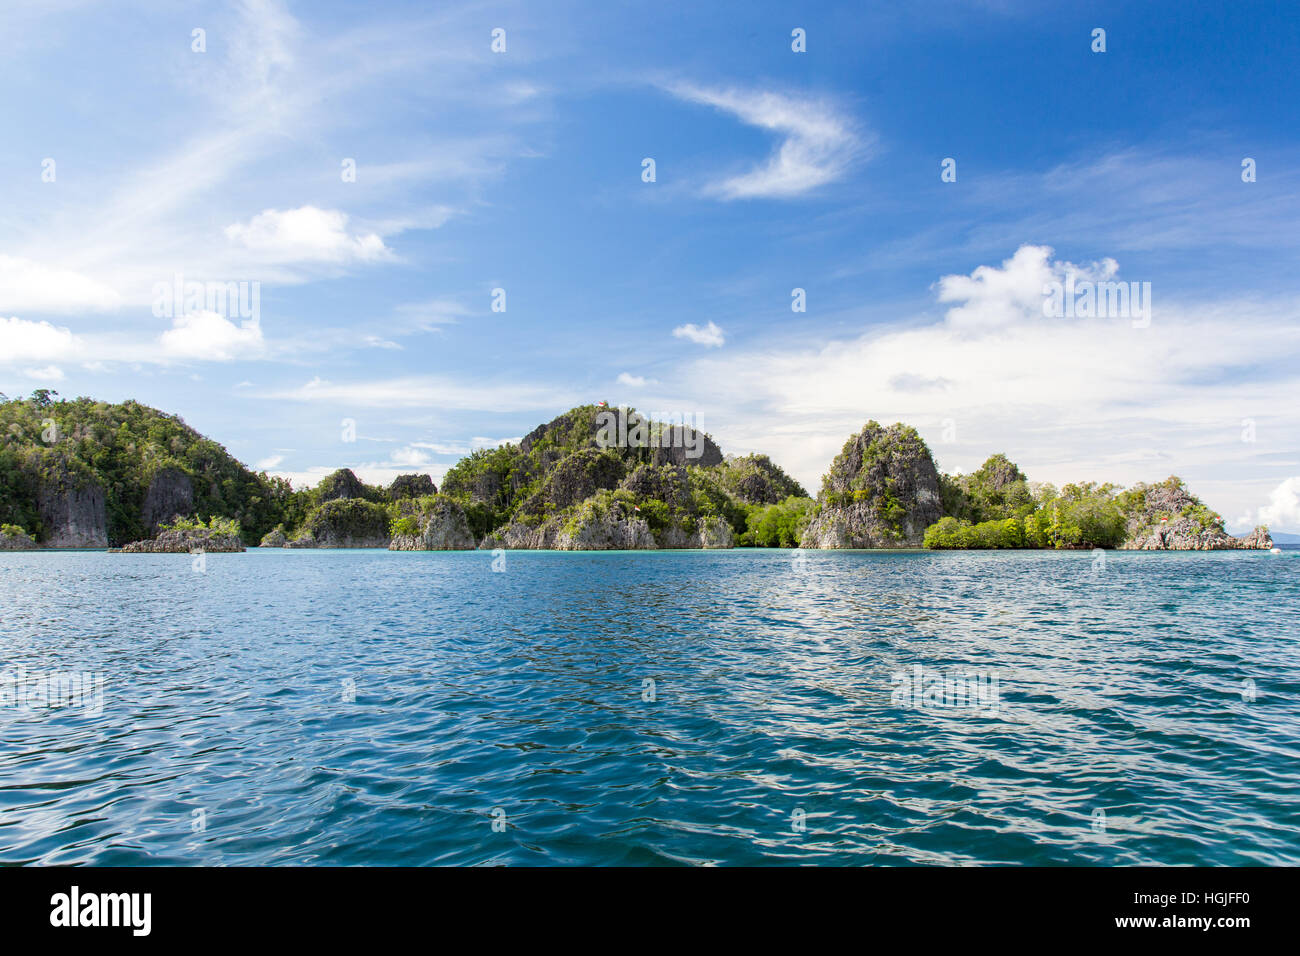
(629, 708)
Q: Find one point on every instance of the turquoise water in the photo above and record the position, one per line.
(507, 717)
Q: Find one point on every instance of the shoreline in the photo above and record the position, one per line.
(250, 549)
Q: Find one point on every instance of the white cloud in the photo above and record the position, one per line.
(640, 381)
(307, 234)
(709, 335)
(266, 464)
(1067, 398)
(427, 316)
(27, 286)
(464, 448)
(372, 473)
(992, 296)
(411, 456)
(25, 341)
(50, 373)
(425, 391)
(1282, 513)
(115, 229)
(819, 145)
(207, 335)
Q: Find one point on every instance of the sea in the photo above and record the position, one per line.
(735, 708)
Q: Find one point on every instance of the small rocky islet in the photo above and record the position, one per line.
(87, 474)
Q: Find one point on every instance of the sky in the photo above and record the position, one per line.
(403, 231)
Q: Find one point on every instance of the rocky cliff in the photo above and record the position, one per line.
(185, 541)
(601, 478)
(1179, 535)
(170, 495)
(72, 510)
(344, 523)
(757, 480)
(1168, 517)
(16, 541)
(340, 485)
(882, 491)
(605, 523)
(441, 525)
(411, 486)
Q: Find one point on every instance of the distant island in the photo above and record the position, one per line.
(88, 474)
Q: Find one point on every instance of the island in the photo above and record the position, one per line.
(87, 474)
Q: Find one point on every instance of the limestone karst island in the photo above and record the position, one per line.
(88, 474)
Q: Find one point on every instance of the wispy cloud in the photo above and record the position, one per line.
(819, 145)
(48, 373)
(428, 315)
(418, 392)
(91, 243)
(636, 381)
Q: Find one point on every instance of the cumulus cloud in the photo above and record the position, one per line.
(27, 286)
(992, 296)
(1067, 398)
(1283, 509)
(709, 335)
(207, 335)
(26, 341)
(819, 143)
(307, 234)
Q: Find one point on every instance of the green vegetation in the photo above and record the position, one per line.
(406, 524)
(47, 444)
(997, 490)
(561, 474)
(1168, 501)
(995, 507)
(558, 477)
(950, 532)
(215, 525)
(344, 518)
(757, 480)
(777, 526)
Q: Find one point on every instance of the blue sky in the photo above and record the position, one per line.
(775, 170)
